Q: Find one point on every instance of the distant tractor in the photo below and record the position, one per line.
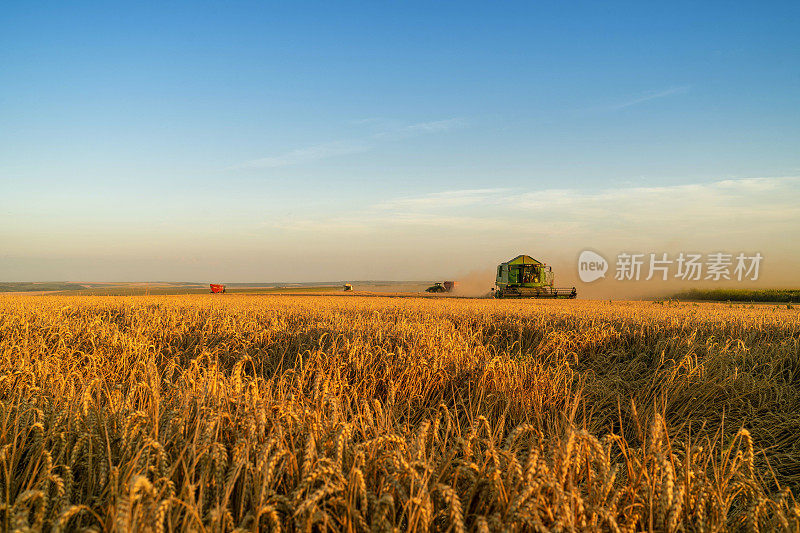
(217, 288)
(444, 286)
(348, 287)
(525, 277)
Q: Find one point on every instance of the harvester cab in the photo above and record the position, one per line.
(526, 277)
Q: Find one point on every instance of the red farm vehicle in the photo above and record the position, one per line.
(217, 288)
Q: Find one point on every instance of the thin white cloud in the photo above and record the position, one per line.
(754, 199)
(347, 147)
(307, 154)
(461, 197)
(653, 95)
(369, 221)
(436, 125)
(366, 120)
(420, 128)
(753, 206)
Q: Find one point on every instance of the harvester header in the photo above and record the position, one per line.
(526, 277)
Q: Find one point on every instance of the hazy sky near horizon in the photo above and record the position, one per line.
(245, 141)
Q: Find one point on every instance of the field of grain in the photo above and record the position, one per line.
(248, 413)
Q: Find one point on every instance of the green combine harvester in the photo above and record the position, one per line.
(525, 277)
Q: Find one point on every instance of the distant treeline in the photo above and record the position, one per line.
(741, 295)
(16, 286)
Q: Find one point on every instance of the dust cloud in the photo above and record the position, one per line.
(477, 283)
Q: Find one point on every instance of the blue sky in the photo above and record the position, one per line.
(393, 140)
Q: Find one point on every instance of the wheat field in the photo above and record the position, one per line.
(324, 413)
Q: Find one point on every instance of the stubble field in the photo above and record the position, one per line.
(310, 413)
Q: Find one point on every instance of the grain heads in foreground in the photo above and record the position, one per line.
(274, 413)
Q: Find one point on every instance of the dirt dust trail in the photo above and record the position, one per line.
(475, 283)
